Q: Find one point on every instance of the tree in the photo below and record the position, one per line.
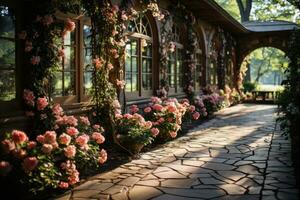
(262, 10)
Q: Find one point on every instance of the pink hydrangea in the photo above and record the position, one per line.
(5, 168)
(19, 137)
(64, 139)
(70, 151)
(40, 139)
(173, 134)
(28, 97)
(8, 145)
(47, 148)
(98, 137)
(154, 132)
(196, 116)
(63, 185)
(30, 163)
(147, 110)
(102, 156)
(50, 137)
(157, 107)
(42, 103)
(72, 131)
(82, 140)
(85, 120)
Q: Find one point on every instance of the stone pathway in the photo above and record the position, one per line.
(237, 155)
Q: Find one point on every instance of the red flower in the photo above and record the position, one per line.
(19, 137)
(30, 163)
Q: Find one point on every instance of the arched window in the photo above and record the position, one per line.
(138, 61)
(212, 72)
(7, 54)
(175, 64)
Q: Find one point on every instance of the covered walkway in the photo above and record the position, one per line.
(237, 155)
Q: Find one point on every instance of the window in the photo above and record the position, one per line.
(7, 55)
(87, 61)
(138, 61)
(175, 64)
(64, 79)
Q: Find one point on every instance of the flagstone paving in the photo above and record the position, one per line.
(237, 155)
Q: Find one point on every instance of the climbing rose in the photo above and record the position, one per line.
(147, 110)
(8, 145)
(69, 25)
(31, 145)
(30, 163)
(157, 107)
(57, 109)
(98, 137)
(28, 97)
(40, 139)
(19, 137)
(42, 103)
(82, 140)
(47, 148)
(85, 120)
(110, 66)
(134, 109)
(192, 108)
(70, 151)
(5, 168)
(50, 137)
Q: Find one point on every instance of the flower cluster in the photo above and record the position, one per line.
(191, 114)
(213, 102)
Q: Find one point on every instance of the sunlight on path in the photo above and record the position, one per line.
(237, 155)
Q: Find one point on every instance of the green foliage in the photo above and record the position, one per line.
(249, 86)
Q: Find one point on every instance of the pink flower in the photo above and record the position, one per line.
(161, 120)
(63, 185)
(28, 97)
(50, 137)
(35, 60)
(110, 66)
(116, 104)
(98, 137)
(118, 116)
(121, 84)
(192, 108)
(155, 100)
(47, 148)
(154, 132)
(98, 62)
(74, 177)
(55, 145)
(5, 168)
(40, 139)
(148, 124)
(115, 8)
(82, 140)
(8, 145)
(69, 25)
(19, 137)
(57, 109)
(30, 163)
(85, 120)
(147, 110)
(96, 126)
(170, 119)
(173, 134)
(70, 151)
(72, 131)
(102, 156)
(70, 120)
(42, 103)
(114, 32)
(157, 107)
(64, 139)
(47, 20)
(28, 46)
(196, 116)
(134, 109)
(127, 116)
(124, 17)
(171, 108)
(31, 145)
(22, 35)
(114, 53)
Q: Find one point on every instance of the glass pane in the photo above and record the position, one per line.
(134, 82)
(69, 38)
(131, 26)
(88, 59)
(57, 84)
(69, 58)
(88, 82)
(134, 47)
(7, 54)
(128, 83)
(134, 64)
(69, 83)
(7, 85)
(128, 65)
(147, 81)
(86, 35)
(147, 50)
(7, 27)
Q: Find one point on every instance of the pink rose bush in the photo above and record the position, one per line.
(133, 129)
(57, 157)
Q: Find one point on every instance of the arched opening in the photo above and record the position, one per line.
(262, 71)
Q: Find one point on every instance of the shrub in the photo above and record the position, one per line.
(249, 86)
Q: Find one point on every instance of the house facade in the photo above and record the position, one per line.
(206, 48)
